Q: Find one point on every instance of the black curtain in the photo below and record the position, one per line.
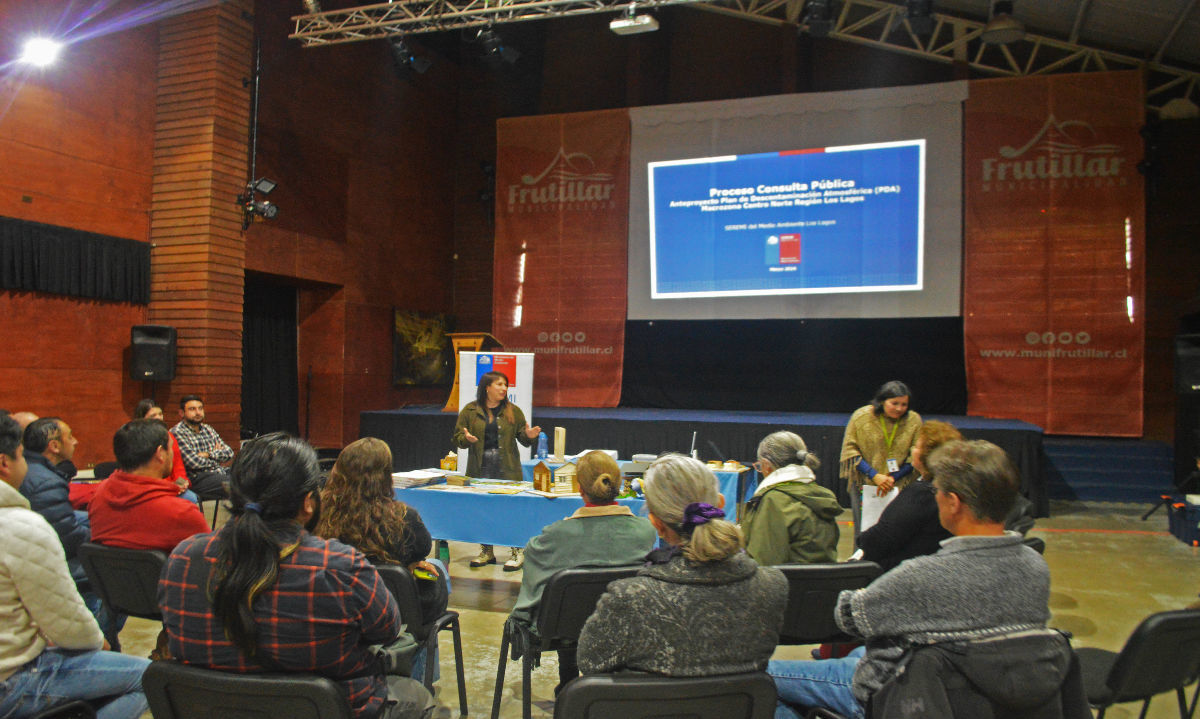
(793, 365)
(270, 383)
(62, 261)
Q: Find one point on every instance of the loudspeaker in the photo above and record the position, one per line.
(153, 357)
(1187, 365)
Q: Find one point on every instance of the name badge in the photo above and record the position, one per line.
(893, 466)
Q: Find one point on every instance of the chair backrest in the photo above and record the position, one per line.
(104, 470)
(403, 587)
(812, 597)
(179, 691)
(570, 598)
(1037, 544)
(1162, 653)
(126, 579)
(644, 696)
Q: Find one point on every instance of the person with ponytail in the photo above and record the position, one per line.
(263, 594)
(790, 519)
(601, 533)
(699, 607)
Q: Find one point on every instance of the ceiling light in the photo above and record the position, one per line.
(40, 51)
(1002, 28)
(403, 59)
(495, 50)
(819, 17)
(633, 24)
(920, 16)
(264, 185)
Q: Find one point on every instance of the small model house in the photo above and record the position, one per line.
(565, 481)
(543, 477)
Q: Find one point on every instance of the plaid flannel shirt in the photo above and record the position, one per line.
(192, 443)
(327, 606)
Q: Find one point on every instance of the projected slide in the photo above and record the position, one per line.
(824, 220)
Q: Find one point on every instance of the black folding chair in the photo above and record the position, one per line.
(569, 599)
(125, 579)
(403, 587)
(812, 597)
(1162, 654)
(646, 696)
(179, 691)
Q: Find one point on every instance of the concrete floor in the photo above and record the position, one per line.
(1108, 571)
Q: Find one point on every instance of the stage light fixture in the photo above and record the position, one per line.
(495, 50)
(1002, 28)
(312, 7)
(252, 206)
(819, 17)
(403, 59)
(633, 24)
(920, 16)
(40, 51)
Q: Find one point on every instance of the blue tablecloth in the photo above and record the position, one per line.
(511, 520)
(505, 520)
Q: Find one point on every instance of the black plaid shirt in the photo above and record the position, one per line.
(326, 607)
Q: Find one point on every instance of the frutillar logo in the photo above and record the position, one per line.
(570, 182)
(1061, 154)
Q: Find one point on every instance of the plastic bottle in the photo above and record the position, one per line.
(541, 447)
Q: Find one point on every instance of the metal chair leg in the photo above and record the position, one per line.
(458, 667)
(527, 685)
(1182, 698)
(500, 675)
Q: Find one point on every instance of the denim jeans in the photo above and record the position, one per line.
(803, 685)
(59, 676)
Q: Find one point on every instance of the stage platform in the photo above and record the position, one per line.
(420, 436)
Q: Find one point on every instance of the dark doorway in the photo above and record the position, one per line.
(270, 383)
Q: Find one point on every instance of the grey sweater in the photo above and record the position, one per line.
(685, 618)
(973, 587)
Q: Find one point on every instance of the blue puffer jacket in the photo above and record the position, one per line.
(47, 492)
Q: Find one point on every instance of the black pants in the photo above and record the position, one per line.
(210, 485)
(568, 668)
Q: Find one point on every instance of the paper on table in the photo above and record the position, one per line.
(873, 506)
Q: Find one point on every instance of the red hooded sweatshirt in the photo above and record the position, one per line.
(139, 512)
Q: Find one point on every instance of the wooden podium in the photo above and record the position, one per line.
(467, 342)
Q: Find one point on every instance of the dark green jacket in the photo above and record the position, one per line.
(472, 418)
(792, 522)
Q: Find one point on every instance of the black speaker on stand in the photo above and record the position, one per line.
(1187, 409)
(153, 356)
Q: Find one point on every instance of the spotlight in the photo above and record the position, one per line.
(251, 206)
(40, 51)
(1002, 28)
(403, 59)
(920, 16)
(494, 48)
(819, 17)
(312, 7)
(632, 23)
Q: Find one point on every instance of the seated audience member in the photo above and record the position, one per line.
(359, 509)
(138, 506)
(790, 519)
(149, 409)
(50, 646)
(909, 526)
(700, 607)
(983, 582)
(49, 441)
(263, 594)
(602, 533)
(204, 452)
(24, 418)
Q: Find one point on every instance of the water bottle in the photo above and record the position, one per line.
(541, 450)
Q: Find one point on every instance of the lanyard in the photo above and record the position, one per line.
(887, 438)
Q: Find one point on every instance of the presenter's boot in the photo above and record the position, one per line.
(486, 556)
(515, 562)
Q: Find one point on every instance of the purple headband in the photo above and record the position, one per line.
(698, 513)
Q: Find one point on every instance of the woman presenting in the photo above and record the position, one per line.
(489, 428)
(877, 447)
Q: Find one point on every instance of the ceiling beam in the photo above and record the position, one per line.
(873, 23)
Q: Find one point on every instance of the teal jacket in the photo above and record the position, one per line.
(472, 418)
(608, 536)
(792, 522)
